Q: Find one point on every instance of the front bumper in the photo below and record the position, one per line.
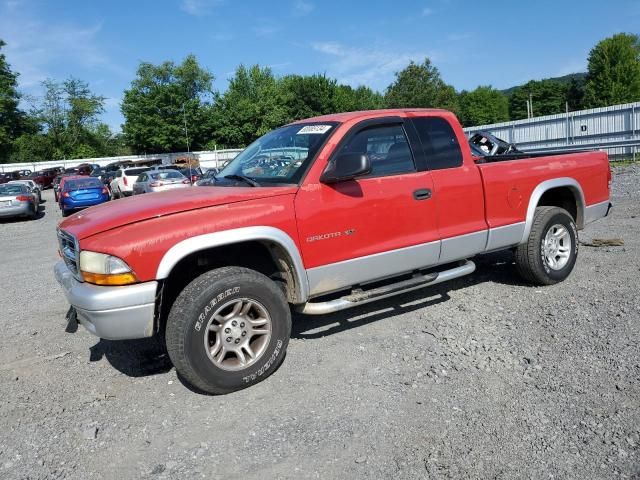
(112, 313)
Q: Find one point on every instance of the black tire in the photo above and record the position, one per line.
(530, 256)
(191, 313)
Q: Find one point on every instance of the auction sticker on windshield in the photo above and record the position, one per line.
(318, 129)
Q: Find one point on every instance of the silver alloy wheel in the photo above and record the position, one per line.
(237, 334)
(556, 247)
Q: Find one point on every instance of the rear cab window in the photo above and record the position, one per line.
(439, 142)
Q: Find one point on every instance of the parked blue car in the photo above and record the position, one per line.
(80, 193)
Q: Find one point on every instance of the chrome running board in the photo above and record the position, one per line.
(361, 297)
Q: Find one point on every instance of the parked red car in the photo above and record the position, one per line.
(44, 177)
(319, 215)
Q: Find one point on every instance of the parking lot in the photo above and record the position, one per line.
(482, 377)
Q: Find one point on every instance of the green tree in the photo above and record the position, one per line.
(548, 97)
(30, 147)
(308, 95)
(348, 99)
(420, 85)
(250, 107)
(69, 114)
(256, 101)
(159, 100)
(482, 106)
(12, 119)
(614, 71)
(575, 94)
(64, 123)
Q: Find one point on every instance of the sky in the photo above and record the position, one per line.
(498, 43)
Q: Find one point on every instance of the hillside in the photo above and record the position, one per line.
(579, 77)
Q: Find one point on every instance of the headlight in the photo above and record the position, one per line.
(103, 269)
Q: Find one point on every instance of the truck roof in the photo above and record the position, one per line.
(346, 116)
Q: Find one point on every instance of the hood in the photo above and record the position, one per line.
(118, 213)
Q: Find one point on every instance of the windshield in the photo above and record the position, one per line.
(14, 189)
(280, 156)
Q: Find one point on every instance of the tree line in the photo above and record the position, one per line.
(170, 104)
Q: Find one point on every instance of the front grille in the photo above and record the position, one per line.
(70, 252)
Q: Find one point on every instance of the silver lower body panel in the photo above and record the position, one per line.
(597, 211)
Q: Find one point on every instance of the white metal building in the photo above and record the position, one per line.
(615, 128)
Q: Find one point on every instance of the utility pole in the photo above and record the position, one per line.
(531, 104)
(186, 132)
(186, 136)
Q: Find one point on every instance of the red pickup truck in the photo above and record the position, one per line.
(319, 215)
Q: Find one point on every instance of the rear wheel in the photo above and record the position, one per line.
(551, 250)
(228, 329)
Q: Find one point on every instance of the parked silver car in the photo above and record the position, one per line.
(33, 187)
(160, 180)
(16, 200)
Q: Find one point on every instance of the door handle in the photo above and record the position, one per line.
(422, 194)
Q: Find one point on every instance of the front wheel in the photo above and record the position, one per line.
(549, 254)
(228, 329)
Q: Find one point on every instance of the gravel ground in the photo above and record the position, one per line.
(483, 377)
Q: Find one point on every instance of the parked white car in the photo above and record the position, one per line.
(122, 183)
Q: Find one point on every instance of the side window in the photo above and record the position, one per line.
(119, 173)
(440, 144)
(387, 148)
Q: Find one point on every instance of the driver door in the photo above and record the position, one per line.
(373, 226)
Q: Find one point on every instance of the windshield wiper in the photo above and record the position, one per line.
(248, 180)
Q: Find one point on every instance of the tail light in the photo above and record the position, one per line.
(126, 182)
(186, 180)
(66, 195)
(155, 184)
(194, 178)
(105, 191)
(23, 198)
(609, 177)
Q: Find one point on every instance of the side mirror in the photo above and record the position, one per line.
(345, 167)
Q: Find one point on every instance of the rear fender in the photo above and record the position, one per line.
(547, 185)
